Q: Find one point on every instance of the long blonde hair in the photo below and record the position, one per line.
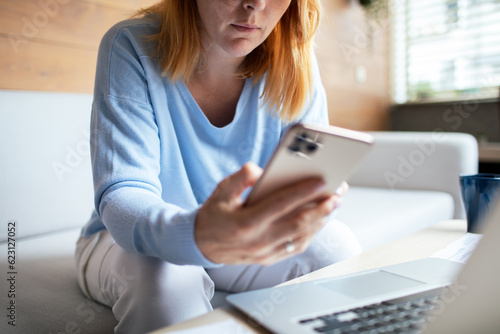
(285, 56)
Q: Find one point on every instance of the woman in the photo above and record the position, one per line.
(190, 101)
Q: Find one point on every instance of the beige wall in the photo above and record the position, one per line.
(51, 45)
(352, 51)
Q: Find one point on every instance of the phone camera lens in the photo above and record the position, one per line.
(311, 147)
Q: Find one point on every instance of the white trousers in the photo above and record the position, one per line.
(146, 293)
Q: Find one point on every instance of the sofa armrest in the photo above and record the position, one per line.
(45, 178)
(419, 161)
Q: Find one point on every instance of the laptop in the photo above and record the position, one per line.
(443, 295)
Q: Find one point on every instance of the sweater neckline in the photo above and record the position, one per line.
(195, 108)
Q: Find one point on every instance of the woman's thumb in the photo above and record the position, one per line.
(235, 184)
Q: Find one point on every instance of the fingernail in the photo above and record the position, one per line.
(340, 191)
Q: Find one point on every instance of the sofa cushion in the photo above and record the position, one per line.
(378, 215)
(47, 296)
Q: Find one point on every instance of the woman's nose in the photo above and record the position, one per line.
(255, 5)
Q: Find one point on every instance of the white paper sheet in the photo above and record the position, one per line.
(460, 250)
(229, 326)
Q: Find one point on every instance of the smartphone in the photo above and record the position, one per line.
(306, 151)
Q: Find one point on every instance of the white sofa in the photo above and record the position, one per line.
(408, 182)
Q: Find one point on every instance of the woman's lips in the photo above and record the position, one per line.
(245, 27)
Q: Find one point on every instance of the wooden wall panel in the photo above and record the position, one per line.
(77, 23)
(51, 45)
(127, 6)
(46, 67)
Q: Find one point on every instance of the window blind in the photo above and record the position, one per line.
(444, 50)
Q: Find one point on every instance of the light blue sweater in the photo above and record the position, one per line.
(156, 157)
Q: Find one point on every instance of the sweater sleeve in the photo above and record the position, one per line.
(125, 154)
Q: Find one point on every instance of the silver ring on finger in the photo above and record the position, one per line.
(290, 246)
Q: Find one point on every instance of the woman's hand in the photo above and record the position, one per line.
(228, 232)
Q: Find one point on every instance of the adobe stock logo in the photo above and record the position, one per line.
(74, 157)
(407, 165)
(32, 25)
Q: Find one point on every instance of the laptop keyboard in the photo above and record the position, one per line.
(403, 315)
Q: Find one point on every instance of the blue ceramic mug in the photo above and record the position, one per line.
(479, 192)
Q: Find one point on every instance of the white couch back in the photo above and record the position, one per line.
(419, 161)
(45, 175)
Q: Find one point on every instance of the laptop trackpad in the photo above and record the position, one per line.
(370, 284)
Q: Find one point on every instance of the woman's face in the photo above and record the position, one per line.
(235, 27)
